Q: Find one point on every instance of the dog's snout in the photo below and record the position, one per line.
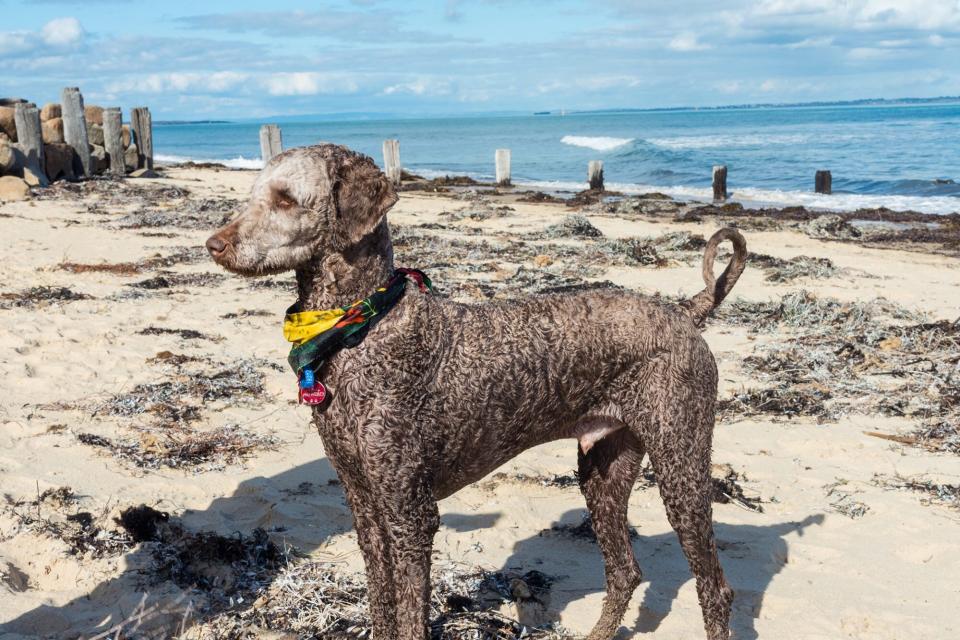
(216, 245)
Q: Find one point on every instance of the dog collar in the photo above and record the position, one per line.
(317, 335)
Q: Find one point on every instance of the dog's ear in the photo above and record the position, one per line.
(363, 195)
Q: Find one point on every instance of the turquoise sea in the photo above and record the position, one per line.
(901, 157)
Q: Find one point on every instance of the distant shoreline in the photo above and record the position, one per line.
(367, 116)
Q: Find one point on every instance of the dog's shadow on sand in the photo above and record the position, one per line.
(305, 506)
(751, 556)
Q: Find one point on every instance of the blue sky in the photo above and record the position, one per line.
(253, 59)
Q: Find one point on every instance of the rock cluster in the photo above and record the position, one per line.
(60, 160)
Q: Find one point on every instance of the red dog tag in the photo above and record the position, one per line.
(314, 395)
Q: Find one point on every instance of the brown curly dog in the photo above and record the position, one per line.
(439, 394)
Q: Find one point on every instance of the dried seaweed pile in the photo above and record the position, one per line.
(872, 358)
(54, 513)
(180, 255)
(183, 448)
(574, 226)
(315, 599)
(40, 296)
(166, 410)
(932, 492)
(534, 263)
(168, 280)
(780, 270)
(482, 209)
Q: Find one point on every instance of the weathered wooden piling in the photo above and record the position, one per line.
(391, 160)
(142, 124)
(113, 139)
(75, 127)
(271, 142)
(823, 182)
(719, 183)
(595, 174)
(502, 163)
(30, 142)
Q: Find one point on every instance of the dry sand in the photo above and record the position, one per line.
(836, 552)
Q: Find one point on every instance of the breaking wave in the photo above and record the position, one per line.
(598, 143)
(234, 163)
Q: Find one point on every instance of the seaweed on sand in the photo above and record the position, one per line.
(181, 448)
(190, 385)
(933, 492)
(845, 357)
(573, 226)
(314, 599)
(54, 513)
(780, 270)
(170, 280)
(40, 296)
(168, 407)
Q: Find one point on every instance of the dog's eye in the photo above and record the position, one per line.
(283, 200)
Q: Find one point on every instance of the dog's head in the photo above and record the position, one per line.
(307, 203)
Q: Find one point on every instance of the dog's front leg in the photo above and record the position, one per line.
(411, 516)
(374, 542)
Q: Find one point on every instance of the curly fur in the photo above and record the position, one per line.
(439, 394)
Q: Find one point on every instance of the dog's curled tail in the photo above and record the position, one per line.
(700, 305)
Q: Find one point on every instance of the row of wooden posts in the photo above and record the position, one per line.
(75, 134)
(271, 144)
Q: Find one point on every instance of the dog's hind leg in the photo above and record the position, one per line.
(679, 447)
(607, 473)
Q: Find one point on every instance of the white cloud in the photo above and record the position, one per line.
(419, 87)
(307, 83)
(811, 43)
(14, 42)
(686, 41)
(862, 14)
(178, 82)
(61, 32)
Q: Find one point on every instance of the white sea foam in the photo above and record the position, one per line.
(599, 143)
(235, 163)
(728, 141)
(776, 198)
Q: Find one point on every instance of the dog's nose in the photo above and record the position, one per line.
(215, 245)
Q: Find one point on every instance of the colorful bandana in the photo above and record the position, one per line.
(316, 335)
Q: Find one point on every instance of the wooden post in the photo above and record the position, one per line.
(595, 175)
(75, 127)
(113, 139)
(391, 160)
(719, 183)
(271, 142)
(30, 141)
(823, 182)
(502, 162)
(143, 131)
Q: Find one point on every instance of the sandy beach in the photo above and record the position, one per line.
(135, 372)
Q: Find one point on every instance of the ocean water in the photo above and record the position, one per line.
(901, 157)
